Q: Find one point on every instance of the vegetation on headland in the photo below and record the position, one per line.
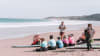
(95, 17)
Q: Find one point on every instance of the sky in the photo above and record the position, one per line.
(47, 8)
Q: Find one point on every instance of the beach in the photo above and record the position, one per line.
(30, 26)
(7, 50)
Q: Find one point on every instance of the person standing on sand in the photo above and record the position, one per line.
(89, 33)
(62, 28)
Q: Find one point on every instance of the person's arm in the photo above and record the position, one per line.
(57, 43)
(93, 33)
(48, 43)
(59, 27)
(64, 27)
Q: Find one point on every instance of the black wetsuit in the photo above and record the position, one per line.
(89, 32)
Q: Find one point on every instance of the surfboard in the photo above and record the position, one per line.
(96, 39)
(84, 46)
(25, 46)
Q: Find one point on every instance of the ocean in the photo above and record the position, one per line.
(16, 28)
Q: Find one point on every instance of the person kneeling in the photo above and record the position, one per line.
(59, 43)
(43, 46)
(51, 43)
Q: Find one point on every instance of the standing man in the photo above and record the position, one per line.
(62, 28)
(89, 33)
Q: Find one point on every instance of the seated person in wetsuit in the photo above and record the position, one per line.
(65, 41)
(59, 43)
(71, 40)
(51, 43)
(36, 40)
(43, 46)
(82, 39)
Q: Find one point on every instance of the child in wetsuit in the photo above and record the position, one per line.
(51, 43)
(59, 43)
(43, 46)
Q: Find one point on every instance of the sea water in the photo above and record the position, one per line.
(16, 27)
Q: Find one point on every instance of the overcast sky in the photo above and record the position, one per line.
(46, 8)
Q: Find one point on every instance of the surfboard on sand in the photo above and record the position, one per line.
(25, 46)
(84, 46)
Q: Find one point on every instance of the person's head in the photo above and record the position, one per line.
(58, 38)
(64, 37)
(36, 37)
(62, 23)
(51, 36)
(90, 25)
(42, 39)
(70, 35)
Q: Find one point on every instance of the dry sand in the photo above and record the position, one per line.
(7, 50)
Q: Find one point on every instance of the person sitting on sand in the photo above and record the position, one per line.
(81, 39)
(51, 43)
(36, 40)
(43, 46)
(65, 41)
(59, 43)
(62, 28)
(71, 40)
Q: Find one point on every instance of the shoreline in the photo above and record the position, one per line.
(6, 33)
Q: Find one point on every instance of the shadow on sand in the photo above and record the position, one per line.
(30, 51)
(65, 51)
(35, 51)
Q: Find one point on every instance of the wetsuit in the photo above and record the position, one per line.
(89, 32)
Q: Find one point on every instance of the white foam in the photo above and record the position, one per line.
(15, 25)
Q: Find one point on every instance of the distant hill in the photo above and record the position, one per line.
(91, 17)
(95, 17)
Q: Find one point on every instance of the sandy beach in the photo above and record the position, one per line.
(7, 50)
(22, 21)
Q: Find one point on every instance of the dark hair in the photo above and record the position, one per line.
(59, 38)
(89, 25)
(70, 35)
(51, 36)
(64, 36)
(42, 39)
(62, 22)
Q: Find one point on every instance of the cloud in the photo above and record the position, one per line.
(45, 8)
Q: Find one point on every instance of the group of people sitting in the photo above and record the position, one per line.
(52, 44)
(63, 41)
